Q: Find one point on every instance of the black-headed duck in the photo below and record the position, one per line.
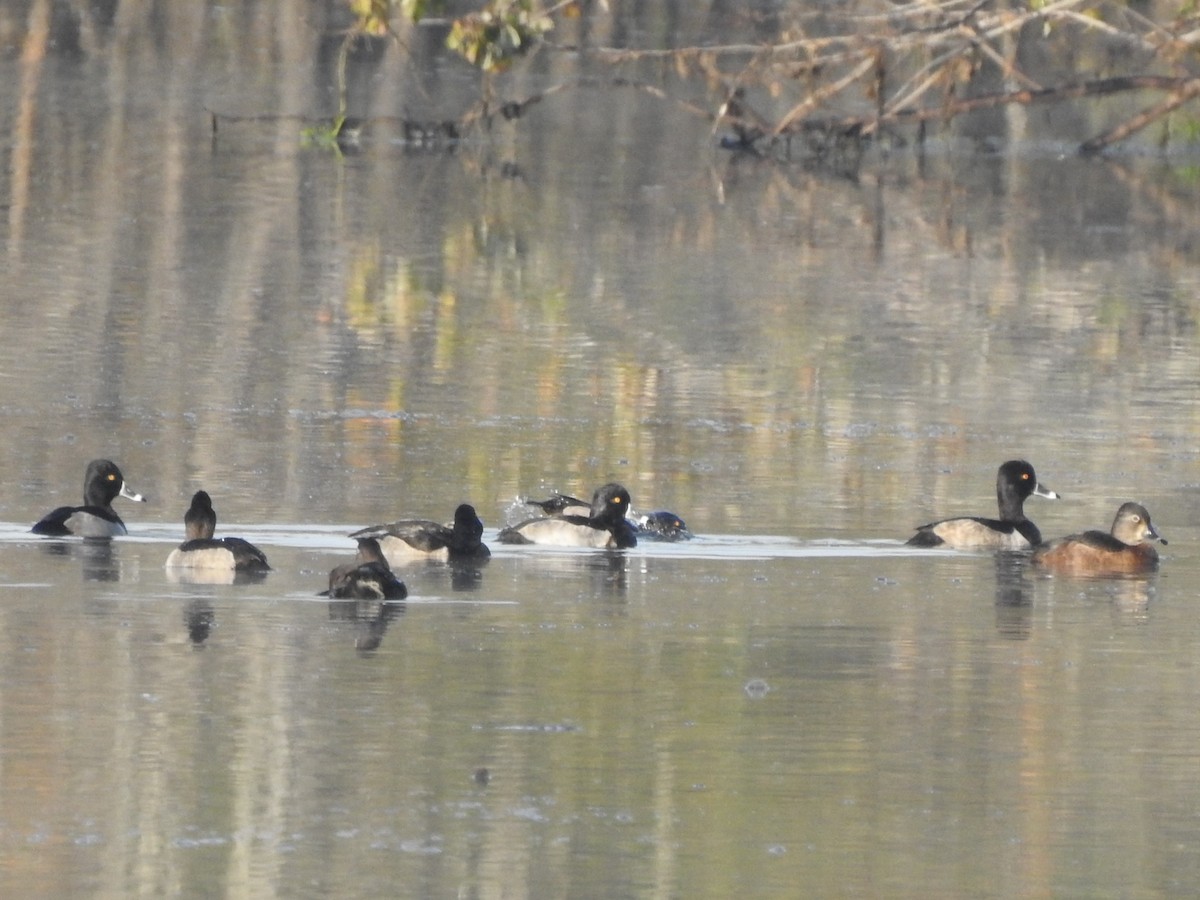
(411, 539)
(201, 550)
(604, 526)
(1015, 481)
(102, 484)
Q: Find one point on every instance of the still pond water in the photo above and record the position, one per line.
(803, 366)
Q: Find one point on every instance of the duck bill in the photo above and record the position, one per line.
(131, 495)
(1040, 491)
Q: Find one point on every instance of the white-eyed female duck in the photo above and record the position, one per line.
(1012, 531)
(1128, 548)
(102, 483)
(604, 526)
(202, 551)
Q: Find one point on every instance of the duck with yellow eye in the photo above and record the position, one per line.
(102, 484)
(1127, 549)
(603, 525)
(1015, 481)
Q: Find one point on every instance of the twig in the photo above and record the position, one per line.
(1005, 66)
(817, 97)
(1186, 92)
(1097, 88)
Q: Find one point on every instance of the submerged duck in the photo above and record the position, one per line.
(102, 484)
(367, 578)
(201, 551)
(604, 525)
(658, 525)
(1127, 548)
(1015, 481)
(411, 539)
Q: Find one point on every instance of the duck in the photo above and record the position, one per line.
(662, 525)
(201, 550)
(102, 484)
(603, 526)
(1127, 548)
(659, 525)
(1015, 481)
(410, 539)
(367, 578)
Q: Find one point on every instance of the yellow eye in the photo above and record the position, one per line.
(1024, 476)
(112, 477)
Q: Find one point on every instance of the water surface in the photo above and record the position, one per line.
(804, 366)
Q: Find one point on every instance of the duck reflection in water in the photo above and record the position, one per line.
(1014, 603)
(199, 618)
(371, 619)
(215, 576)
(1131, 600)
(466, 575)
(97, 557)
(606, 573)
(610, 573)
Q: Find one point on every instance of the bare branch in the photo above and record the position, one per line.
(1186, 92)
(813, 100)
